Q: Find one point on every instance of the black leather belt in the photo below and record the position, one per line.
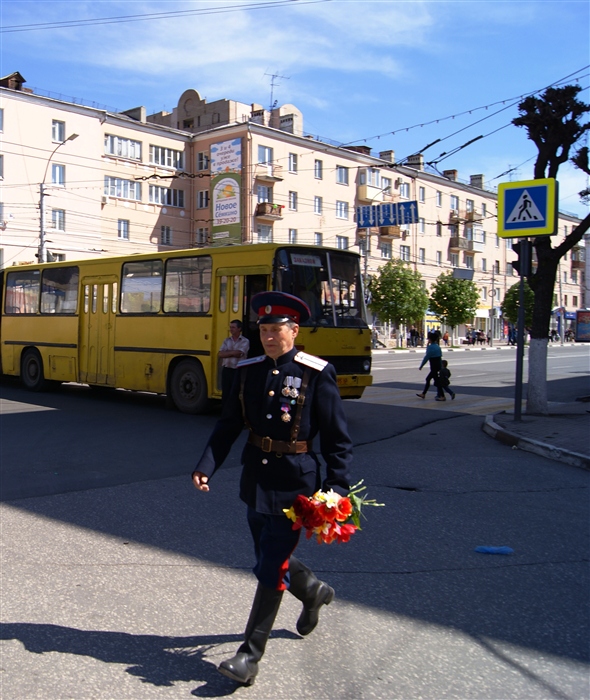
(268, 445)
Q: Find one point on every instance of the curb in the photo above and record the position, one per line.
(558, 454)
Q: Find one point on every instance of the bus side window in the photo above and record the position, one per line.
(22, 292)
(141, 287)
(235, 307)
(114, 299)
(222, 294)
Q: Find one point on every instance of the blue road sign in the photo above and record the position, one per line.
(387, 214)
(527, 208)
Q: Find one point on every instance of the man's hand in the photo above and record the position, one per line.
(200, 481)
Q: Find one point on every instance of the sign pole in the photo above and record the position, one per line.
(525, 257)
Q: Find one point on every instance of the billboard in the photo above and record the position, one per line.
(226, 185)
(583, 326)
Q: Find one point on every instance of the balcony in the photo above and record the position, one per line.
(459, 243)
(472, 216)
(268, 172)
(269, 211)
(578, 264)
(454, 217)
(478, 246)
(390, 232)
(372, 194)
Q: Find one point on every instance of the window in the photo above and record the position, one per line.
(166, 235)
(421, 225)
(438, 199)
(202, 199)
(453, 230)
(122, 148)
(565, 277)
(422, 255)
(341, 210)
(574, 277)
(59, 290)
(264, 233)
(404, 190)
(497, 241)
(264, 193)
(509, 244)
(454, 202)
(342, 242)
(123, 229)
(386, 185)
(58, 131)
(385, 250)
(22, 292)
(166, 157)
(123, 189)
(293, 201)
(166, 196)
(318, 169)
(341, 175)
(265, 155)
(574, 300)
(292, 235)
(484, 210)
(202, 237)
(187, 287)
(141, 287)
(509, 270)
(421, 194)
(202, 161)
(565, 299)
(317, 238)
(404, 253)
(1, 167)
(58, 174)
(497, 267)
(292, 162)
(318, 205)
(439, 229)
(469, 205)
(439, 257)
(1, 120)
(372, 175)
(468, 261)
(484, 293)
(454, 259)
(484, 265)
(58, 219)
(468, 233)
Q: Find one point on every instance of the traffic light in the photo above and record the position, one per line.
(523, 264)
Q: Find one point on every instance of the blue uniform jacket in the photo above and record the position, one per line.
(271, 481)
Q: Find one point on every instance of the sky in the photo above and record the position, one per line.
(390, 75)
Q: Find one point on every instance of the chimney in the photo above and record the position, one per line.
(365, 150)
(476, 181)
(389, 156)
(416, 162)
(14, 81)
(450, 175)
(137, 113)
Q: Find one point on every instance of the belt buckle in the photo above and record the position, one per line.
(266, 444)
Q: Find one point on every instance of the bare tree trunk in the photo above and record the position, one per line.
(537, 384)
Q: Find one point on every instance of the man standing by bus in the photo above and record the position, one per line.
(233, 349)
(284, 398)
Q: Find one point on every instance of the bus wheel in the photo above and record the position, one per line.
(31, 371)
(188, 387)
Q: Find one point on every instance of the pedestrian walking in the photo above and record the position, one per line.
(433, 356)
(446, 338)
(284, 398)
(233, 349)
(445, 379)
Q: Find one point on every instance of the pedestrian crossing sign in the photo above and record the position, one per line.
(527, 208)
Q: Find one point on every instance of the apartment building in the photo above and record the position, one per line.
(224, 173)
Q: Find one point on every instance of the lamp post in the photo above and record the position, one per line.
(41, 251)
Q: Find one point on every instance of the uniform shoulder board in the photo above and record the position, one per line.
(310, 361)
(251, 361)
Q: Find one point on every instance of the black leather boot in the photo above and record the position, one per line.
(243, 667)
(312, 592)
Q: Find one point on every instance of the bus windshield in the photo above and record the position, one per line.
(328, 281)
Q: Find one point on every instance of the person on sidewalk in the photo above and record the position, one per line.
(445, 379)
(433, 356)
(284, 398)
(233, 349)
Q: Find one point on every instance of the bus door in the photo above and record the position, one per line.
(97, 330)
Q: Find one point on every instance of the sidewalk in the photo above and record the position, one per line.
(563, 435)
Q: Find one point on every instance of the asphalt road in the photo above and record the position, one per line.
(119, 580)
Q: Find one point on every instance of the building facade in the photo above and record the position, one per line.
(78, 182)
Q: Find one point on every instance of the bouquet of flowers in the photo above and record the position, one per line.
(328, 515)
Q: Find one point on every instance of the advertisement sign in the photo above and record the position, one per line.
(583, 326)
(226, 182)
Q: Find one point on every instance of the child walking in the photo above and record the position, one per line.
(445, 379)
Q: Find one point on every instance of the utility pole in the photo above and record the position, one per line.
(493, 308)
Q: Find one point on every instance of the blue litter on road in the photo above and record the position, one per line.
(494, 550)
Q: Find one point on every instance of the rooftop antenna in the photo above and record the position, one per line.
(273, 78)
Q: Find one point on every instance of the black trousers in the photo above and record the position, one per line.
(434, 376)
(227, 379)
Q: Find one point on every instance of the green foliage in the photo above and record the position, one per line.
(397, 294)
(453, 300)
(511, 304)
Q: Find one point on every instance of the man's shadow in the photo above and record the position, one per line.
(158, 660)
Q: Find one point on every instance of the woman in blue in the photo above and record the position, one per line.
(285, 398)
(434, 357)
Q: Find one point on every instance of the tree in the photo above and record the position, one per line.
(453, 300)
(511, 304)
(398, 294)
(553, 123)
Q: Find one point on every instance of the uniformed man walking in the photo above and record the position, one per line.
(284, 398)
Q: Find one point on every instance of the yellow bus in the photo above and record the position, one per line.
(155, 322)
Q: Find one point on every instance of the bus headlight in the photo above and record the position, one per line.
(367, 365)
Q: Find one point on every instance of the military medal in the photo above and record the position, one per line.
(286, 417)
(291, 387)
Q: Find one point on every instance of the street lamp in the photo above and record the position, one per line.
(41, 251)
